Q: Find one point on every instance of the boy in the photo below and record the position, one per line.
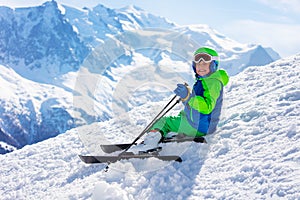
(202, 105)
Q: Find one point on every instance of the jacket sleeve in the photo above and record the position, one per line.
(207, 103)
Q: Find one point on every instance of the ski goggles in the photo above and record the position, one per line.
(205, 57)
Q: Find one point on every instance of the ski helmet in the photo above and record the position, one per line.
(214, 64)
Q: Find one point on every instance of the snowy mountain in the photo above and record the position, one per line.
(255, 153)
(60, 65)
(94, 31)
(39, 43)
(94, 25)
(30, 111)
(235, 57)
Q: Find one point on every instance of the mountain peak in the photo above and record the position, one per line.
(39, 42)
(132, 8)
(51, 3)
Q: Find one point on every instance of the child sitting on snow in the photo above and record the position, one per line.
(202, 105)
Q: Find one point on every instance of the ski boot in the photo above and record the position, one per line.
(149, 145)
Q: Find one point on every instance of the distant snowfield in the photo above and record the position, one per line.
(254, 155)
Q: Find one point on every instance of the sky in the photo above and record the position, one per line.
(271, 23)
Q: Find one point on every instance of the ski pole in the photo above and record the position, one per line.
(158, 117)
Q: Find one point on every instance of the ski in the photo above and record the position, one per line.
(110, 148)
(112, 159)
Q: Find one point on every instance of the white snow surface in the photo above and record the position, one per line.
(255, 154)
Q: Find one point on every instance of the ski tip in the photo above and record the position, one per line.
(200, 140)
(82, 158)
(179, 159)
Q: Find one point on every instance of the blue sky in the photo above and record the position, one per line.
(271, 23)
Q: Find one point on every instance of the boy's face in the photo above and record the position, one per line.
(202, 68)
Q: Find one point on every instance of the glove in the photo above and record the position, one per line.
(182, 91)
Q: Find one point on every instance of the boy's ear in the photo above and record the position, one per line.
(213, 66)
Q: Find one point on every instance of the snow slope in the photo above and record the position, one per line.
(254, 155)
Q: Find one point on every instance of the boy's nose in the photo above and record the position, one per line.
(201, 63)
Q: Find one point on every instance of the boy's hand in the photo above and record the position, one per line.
(181, 91)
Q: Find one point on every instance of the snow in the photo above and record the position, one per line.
(254, 155)
(18, 88)
(61, 8)
(7, 147)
